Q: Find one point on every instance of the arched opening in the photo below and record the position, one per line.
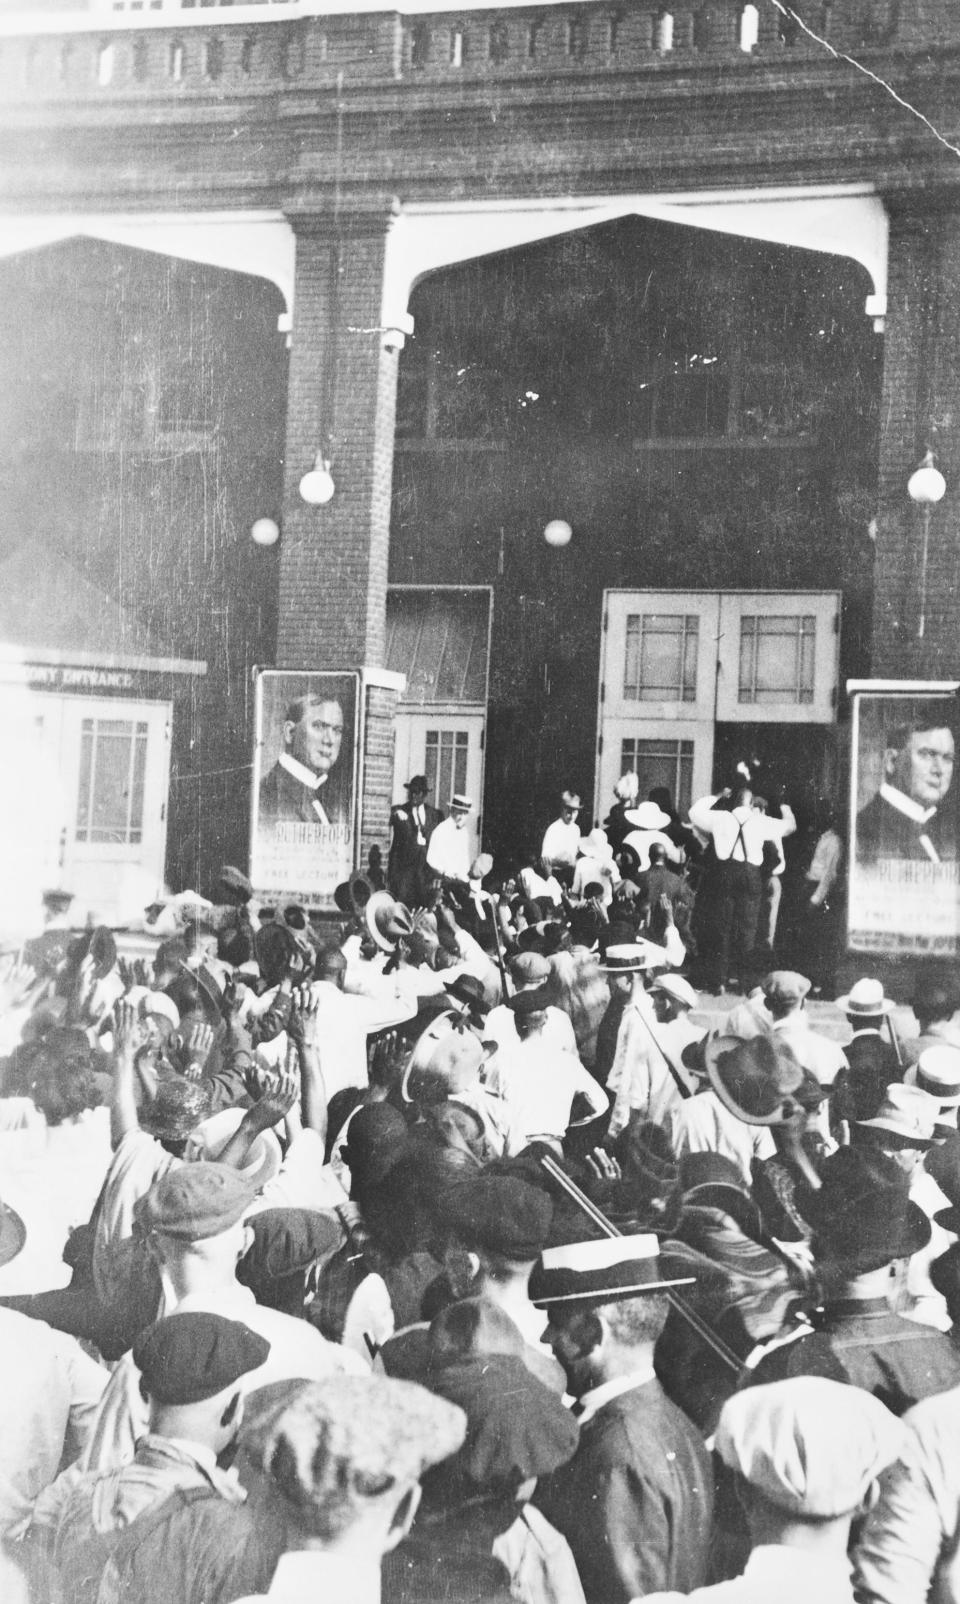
(701, 409)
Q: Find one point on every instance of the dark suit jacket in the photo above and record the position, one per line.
(406, 858)
(897, 1360)
(883, 832)
(283, 799)
(635, 1502)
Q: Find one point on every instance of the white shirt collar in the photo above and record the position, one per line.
(300, 772)
(906, 805)
(312, 1573)
(608, 1390)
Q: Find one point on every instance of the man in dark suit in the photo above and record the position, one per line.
(300, 787)
(906, 818)
(411, 824)
(635, 1502)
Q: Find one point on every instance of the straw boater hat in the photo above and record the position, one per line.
(937, 1072)
(600, 1272)
(570, 799)
(460, 803)
(866, 999)
(629, 957)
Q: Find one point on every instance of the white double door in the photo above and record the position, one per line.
(675, 664)
(86, 801)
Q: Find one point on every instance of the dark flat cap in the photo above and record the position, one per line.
(286, 1242)
(516, 1427)
(187, 1357)
(194, 1202)
(499, 1213)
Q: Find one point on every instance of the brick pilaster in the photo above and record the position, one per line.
(920, 408)
(342, 398)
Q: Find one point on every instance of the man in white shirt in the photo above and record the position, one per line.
(561, 841)
(738, 836)
(539, 1084)
(450, 849)
(806, 1455)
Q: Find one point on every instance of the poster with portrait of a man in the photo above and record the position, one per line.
(304, 793)
(902, 880)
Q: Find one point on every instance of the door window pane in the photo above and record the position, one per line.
(446, 764)
(777, 658)
(661, 762)
(661, 657)
(113, 761)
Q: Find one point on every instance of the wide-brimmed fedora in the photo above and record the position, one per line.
(863, 1212)
(647, 816)
(865, 998)
(756, 1080)
(445, 1058)
(907, 1117)
(387, 920)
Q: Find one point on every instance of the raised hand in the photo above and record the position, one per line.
(129, 1033)
(604, 1166)
(195, 1050)
(17, 982)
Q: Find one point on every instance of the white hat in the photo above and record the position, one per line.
(157, 1002)
(937, 1072)
(596, 846)
(907, 1114)
(867, 998)
(208, 1140)
(629, 957)
(812, 1447)
(677, 988)
(647, 816)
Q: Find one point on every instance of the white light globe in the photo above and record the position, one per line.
(317, 486)
(264, 532)
(927, 486)
(558, 533)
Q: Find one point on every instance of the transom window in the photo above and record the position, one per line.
(777, 658)
(446, 764)
(661, 657)
(661, 762)
(113, 760)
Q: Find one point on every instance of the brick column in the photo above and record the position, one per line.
(333, 559)
(342, 398)
(920, 408)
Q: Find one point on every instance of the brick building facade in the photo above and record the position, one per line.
(343, 163)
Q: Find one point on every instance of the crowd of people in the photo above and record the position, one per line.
(457, 1250)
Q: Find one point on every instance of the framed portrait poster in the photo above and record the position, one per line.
(304, 790)
(902, 875)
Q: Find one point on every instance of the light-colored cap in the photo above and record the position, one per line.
(676, 987)
(812, 1447)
